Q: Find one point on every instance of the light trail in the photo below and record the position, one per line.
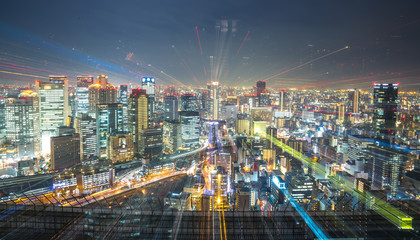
(199, 42)
(242, 44)
(23, 74)
(398, 218)
(306, 63)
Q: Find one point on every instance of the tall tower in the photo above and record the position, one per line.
(188, 102)
(86, 128)
(262, 97)
(215, 92)
(108, 121)
(82, 94)
(170, 105)
(138, 115)
(123, 99)
(149, 84)
(101, 92)
(354, 100)
(385, 96)
(53, 108)
(22, 123)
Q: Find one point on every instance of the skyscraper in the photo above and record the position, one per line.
(138, 115)
(53, 107)
(190, 128)
(385, 98)
(22, 123)
(109, 120)
(86, 127)
(188, 102)
(260, 87)
(149, 84)
(123, 99)
(65, 151)
(386, 168)
(354, 100)
(82, 94)
(215, 92)
(101, 92)
(170, 108)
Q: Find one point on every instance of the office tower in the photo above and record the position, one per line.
(138, 115)
(53, 107)
(85, 126)
(341, 113)
(101, 92)
(171, 136)
(22, 123)
(82, 94)
(282, 96)
(149, 84)
(170, 108)
(109, 120)
(215, 95)
(354, 100)
(385, 98)
(151, 143)
(386, 168)
(65, 151)
(190, 128)
(123, 99)
(120, 147)
(260, 87)
(188, 102)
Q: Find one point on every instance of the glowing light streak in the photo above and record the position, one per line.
(199, 42)
(393, 215)
(23, 74)
(306, 63)
(243, 41)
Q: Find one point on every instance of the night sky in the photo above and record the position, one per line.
(288, 43)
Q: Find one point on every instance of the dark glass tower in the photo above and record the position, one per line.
(385, 96)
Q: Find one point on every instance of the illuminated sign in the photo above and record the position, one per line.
(277, 183)
(148, 79)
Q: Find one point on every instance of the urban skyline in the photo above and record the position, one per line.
(186, 120)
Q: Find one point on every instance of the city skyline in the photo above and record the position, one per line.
(209, 119)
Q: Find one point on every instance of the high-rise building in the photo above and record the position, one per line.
(341, 113)
(171, 136)
(101, 92)
(188, 102)
(215, 96)
(190, 128)
(149, 84)
(386, 168)
(354, 100)
(82, 94)
(170, 108)
(151, 142)
(22, 123)
(85, 126)
(138, 115)
(120, 147)
(123, 99)
(385, 98)
(53, 107)
(65, 151)
(109, 120)
(260, 87)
